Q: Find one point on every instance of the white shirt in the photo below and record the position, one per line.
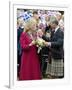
(56, 28)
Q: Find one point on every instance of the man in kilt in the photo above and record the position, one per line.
(56, 44)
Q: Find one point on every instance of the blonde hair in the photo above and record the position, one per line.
(28, 24)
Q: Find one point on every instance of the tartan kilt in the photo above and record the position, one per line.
(57, 67)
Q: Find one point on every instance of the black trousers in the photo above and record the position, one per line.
(18, 63)
(43, 65)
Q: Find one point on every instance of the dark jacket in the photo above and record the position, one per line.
(19, 31)
(56, 44)
(45, 50)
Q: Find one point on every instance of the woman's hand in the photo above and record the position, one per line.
(32, 43)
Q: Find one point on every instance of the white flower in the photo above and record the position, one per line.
(40, 42)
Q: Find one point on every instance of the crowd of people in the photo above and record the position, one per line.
(40, 37)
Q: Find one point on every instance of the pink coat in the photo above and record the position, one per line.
(30, 64)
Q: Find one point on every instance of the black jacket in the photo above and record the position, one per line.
(19, 31)
(56, 40)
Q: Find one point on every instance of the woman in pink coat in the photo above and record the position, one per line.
(30, 64)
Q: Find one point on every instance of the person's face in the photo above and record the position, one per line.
(53, 26)
(20, 22)
(33, 27)
(36, 16)
(58, 17)
(47, 17)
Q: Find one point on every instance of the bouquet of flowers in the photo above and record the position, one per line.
(40, 43)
